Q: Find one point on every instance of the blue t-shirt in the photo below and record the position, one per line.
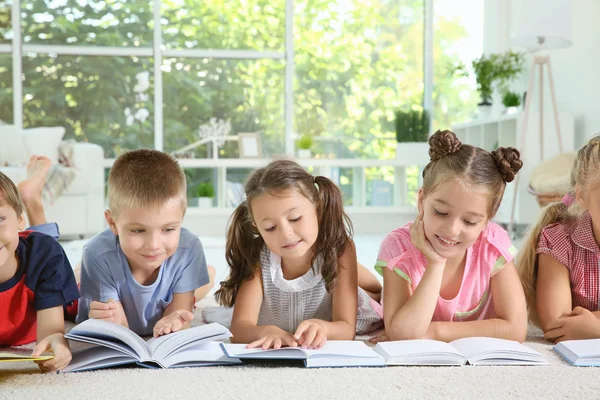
(105, 275)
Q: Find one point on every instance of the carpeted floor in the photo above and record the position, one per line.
(290, 381)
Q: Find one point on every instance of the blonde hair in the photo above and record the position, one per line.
(470, 165)
(145, 178)
(10, 195)
(583, 176)
(244, 243)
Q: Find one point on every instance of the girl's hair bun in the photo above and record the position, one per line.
(443, 143)
(508, 161)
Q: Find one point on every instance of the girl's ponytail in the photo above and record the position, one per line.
(242, 252)
(335, 229)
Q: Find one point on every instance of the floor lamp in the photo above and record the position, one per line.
(542, 25)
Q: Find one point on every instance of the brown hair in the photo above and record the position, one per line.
(145, 178)
(583, 176)
(10, 195)
(450, 159)
(244, 244)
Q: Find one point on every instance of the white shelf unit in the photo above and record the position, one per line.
(324, 167)
(505, 131)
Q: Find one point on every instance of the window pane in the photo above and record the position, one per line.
(239, 25)
(106, 23)
(371, 66)
(103, 100)
(5, 21)
(458, 37)
(6, 92)
(247, 94)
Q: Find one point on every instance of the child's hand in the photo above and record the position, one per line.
(580, 324)
(417, 236)
(110, 311)
(172, 323)
(311, 334)
(59, 346)
(275, 338)
(382, 337)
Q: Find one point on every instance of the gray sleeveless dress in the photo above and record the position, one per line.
(287, 303)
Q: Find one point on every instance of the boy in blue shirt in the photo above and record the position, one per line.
(143, 270)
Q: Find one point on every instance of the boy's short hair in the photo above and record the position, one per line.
(145, 178)
(10, 195)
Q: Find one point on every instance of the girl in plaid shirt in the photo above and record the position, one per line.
(449, 274)
(559, 262)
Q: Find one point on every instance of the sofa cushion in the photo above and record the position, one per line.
(43, 141)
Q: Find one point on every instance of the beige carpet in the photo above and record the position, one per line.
(267, 381)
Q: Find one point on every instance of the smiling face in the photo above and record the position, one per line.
(287, 222)
(148, 236)
(454, 216)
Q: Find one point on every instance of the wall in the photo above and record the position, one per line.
(575, 69)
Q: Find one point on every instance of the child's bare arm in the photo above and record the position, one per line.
(244, 322)
(511, 314)
(313, 333)
(407, 315)
(553, 290)
(50, 336)
(177, 316)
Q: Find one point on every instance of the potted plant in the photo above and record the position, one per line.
(204, 195)
(412, 133)
(511, 101)
(493, 70)
(304, 145)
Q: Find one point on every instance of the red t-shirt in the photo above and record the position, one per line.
(44, 279)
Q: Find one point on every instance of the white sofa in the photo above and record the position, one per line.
(79, 210)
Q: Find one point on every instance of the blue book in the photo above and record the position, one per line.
(580, 353)
(114, 345)
(334, 353)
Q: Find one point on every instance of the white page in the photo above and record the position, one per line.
(583, 348)
(97, 357)
(402, 348)
(200, 354)
(477, 346)
(102, 332)
(166, 345)
(339, 348)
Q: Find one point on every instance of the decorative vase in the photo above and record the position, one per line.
(204, 202)
(484, 111)
(304, 153)
(413, 153)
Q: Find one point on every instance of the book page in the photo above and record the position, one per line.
(417, 347)
(583, 348)
(478, 346)
(111, 335)
(166, 345)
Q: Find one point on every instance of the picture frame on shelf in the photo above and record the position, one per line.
(249, 144)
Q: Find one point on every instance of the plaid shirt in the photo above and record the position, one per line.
(572, 244)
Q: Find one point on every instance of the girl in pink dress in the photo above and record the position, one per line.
(449, 274)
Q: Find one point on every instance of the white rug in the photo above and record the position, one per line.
(268, 381)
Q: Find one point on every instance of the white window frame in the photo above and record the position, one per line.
(16, 49)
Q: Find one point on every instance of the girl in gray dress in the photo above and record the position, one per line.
(294, 277)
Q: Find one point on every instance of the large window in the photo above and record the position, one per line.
(335, 70)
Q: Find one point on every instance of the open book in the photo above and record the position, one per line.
(581, 353)
(335, 353)
(19, 354)
(473, 350)
(116, 345)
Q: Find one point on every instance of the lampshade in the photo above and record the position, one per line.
(544, 24)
